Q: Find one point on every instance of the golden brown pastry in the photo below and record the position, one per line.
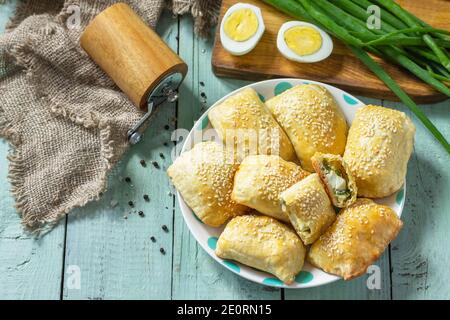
(204, 177)
(244, 120)
(309, 208)
(336, 177)
(312, 120)
(259, 181)
(356, 239)
(263, 243)
(379, 145)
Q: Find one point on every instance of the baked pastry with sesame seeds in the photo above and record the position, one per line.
(260, 180)
(356, 239)
(204, 177)
(245, 121)
(336, 177)
(379, 145)
(263, 243)
(312, 120)
(309, 208)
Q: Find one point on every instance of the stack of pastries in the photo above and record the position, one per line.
(305, 192)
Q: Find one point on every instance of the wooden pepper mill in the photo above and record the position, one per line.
(136, 58)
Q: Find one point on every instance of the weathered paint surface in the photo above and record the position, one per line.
(99, 254)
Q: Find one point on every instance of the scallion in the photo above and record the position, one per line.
(386, 78)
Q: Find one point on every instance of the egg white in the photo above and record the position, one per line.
(239, 48)
(323, 53)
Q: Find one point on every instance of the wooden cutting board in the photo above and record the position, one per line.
(342, 68)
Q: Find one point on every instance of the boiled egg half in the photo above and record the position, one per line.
(303, 42)
(241, 29)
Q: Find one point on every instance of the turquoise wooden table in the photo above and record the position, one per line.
(95, 253)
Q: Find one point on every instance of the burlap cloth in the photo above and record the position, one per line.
(65, 119)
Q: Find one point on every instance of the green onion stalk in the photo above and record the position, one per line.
(405, 40)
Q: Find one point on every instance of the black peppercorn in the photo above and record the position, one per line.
(128, 179)
(146, 197)
(141, 213)
(164, 227)
(153, 239)
(155, 164)
(162, 250)
(130, 203)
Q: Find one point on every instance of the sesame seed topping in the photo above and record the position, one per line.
(308, 113)
(248, 120)
(357, 227)
(271, 175)
(210, 164)
(377, 134)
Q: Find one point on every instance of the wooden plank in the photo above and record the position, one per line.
(115, 256)
(355, 289)
(341, 68)
(195, 274)
(29, 269)
(421, 255)
(117, 259)
(348, 290)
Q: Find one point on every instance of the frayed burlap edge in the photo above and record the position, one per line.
(16, 164)
(18, 16)
(204, 12)
(202, 27)
(16, 177)
(21, 13)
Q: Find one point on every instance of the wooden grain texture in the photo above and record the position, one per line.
(131, 53)
(195, 274)
(421, 255)
(118, 260)
(342, 68)
(116, 256)
(29, 269)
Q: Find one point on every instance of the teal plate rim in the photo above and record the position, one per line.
(398, 200)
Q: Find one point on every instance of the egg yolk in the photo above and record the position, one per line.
(241, 25)
(303, 40)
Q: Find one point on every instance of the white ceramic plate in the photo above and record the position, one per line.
(207, 236)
